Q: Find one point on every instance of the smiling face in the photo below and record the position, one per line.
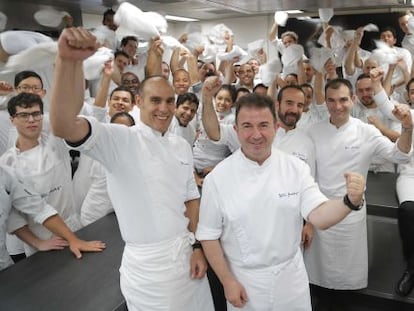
(223, 100)
(157, 103)
(181, 81)
(365, 92)
(120, 101)
(339, 102)
(290, 107)
(185, 112)
(256, 130)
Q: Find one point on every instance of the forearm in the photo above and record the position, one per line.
(27, 236)
(56, 225)
(67, 100)
(102, 94)
(174, 61)
(192, 211)
(209, 118)
(328, 214)
(193, 69)
(154, 64)
(214, 254)
(387, 83)
(405, 140)
(273, 32)
(350, 61)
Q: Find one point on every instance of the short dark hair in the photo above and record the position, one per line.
(119, 52)
(242, 90)
(304, 85)
(259, 85)
(390, 29)
(229, 88)
(123, 114)
(362, 76)
(125, 89)
(125, 40)
(253, 100)
(22, 75)
(337, 83)
(107, 13)
(24, 100)
(191, 97)
(288, 87)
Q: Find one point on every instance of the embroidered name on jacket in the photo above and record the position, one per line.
(288, 194)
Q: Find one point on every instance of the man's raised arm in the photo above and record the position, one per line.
(74, 46)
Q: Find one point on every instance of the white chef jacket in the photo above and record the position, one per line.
(149, 178)
(294, 142)
(315, 114)
(90, 190)
(47, 169)
(187, 132)
(17, 196)
(207, 153)
(349, 148)
(361, 112)
(257, 212)
(405, 180)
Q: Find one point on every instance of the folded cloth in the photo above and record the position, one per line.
(15, 41)
(40, 56)
(270, 70)
(235, 52)
(49, 17)
(195, 39)
(218, 33)
(384, 54)
(254, 47)
(371, 27)
(325, 14)
(292, 54)
(93, 65)
(281, 18)
(319, 57)
(105, 36)
(209, 54)
(145, 25)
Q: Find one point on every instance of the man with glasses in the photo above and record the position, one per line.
(45, 163)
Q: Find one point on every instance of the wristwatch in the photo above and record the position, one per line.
(353, 207)
(197, 244)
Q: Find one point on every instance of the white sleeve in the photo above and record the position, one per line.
(210, 223)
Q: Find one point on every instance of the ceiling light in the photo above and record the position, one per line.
(180, 18)
(294, 11)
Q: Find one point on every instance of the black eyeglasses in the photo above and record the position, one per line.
(25, 116)
(29, 88)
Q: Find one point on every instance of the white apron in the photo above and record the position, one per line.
(277, 288)
(338, 256)
(157, 277)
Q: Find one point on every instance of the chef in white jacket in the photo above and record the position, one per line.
(252, 212)
(338, 257)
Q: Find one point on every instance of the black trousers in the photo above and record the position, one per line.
(406, 227)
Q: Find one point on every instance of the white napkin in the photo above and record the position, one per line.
(49, 17)
(15, 41)
(281, 18)
(93, 65)
(39, 56)
(325, 14)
